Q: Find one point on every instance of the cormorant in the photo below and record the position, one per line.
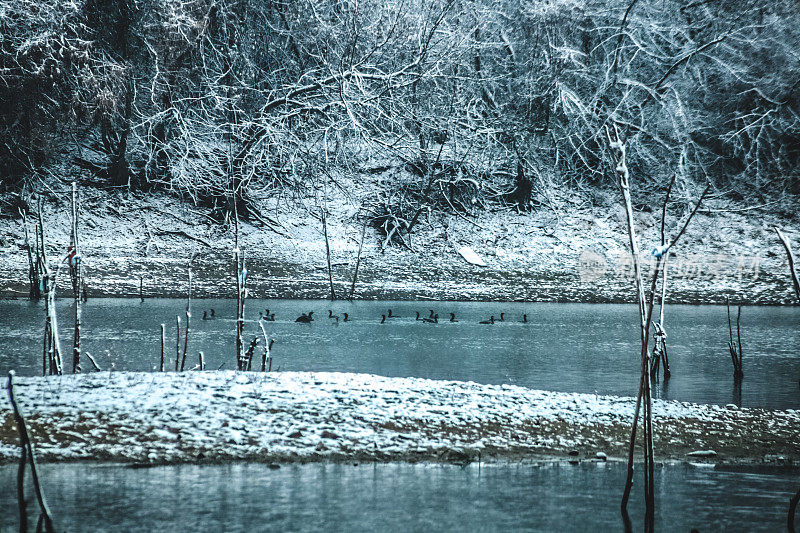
(305, 318)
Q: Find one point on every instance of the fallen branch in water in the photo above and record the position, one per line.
(94, 363)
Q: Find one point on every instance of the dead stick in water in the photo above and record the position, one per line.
(732, 346)
(75, 275)
(177, 342)
(739, 342)
(645, 315)
(23, 460)
(185, 339)
(26, 442)
(240, 284)
(161, 365)
(792, 510)
(21, 503)
(269, 367)
(202, 361)
(188, 314)
(266, 355)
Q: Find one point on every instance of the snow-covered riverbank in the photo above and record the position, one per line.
(571, 251)
(303, 416)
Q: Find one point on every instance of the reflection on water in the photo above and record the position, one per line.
(563, 347)
(399, 497)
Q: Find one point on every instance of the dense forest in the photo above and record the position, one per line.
(478, 101)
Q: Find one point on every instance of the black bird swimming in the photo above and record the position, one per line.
(383, 319)
(205, 315)
(305, 318)
(502, 319)
(332, 316)
(524, 319)
(434, 320)
(345, 317)
(453, 317)
(390, 315)
(431, 315)
(212, 313)
(490, 321)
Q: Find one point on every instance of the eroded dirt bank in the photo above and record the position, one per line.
(306, 416)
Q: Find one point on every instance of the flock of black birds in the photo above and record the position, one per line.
(307, 318)
(432, 318)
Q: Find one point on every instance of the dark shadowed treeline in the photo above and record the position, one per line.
(479, 101)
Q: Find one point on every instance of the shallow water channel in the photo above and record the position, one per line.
(588, 348)
(400, 497)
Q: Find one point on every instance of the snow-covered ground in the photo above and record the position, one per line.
(305, 416)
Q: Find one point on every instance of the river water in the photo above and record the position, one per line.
(399, 497)
(588, 348)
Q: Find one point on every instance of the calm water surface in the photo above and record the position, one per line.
(399, 497)
(564, 347)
